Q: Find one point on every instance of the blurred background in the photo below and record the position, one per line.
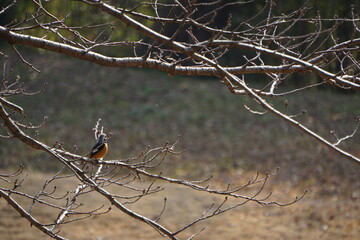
(141, 107)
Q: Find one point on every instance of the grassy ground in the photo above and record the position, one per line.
(143, 108)
(320, 215)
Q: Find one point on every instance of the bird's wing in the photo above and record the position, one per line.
(97, 148)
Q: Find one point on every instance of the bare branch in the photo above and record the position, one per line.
(28, 217)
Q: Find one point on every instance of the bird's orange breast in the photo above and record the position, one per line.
(101, 153)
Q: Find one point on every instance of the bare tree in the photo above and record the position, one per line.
(138, 176)
(178, 38)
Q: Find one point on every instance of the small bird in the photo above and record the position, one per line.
(101, 147)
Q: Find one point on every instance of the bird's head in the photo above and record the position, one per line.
(102, 138)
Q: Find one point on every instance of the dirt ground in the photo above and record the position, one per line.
(321, 214)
